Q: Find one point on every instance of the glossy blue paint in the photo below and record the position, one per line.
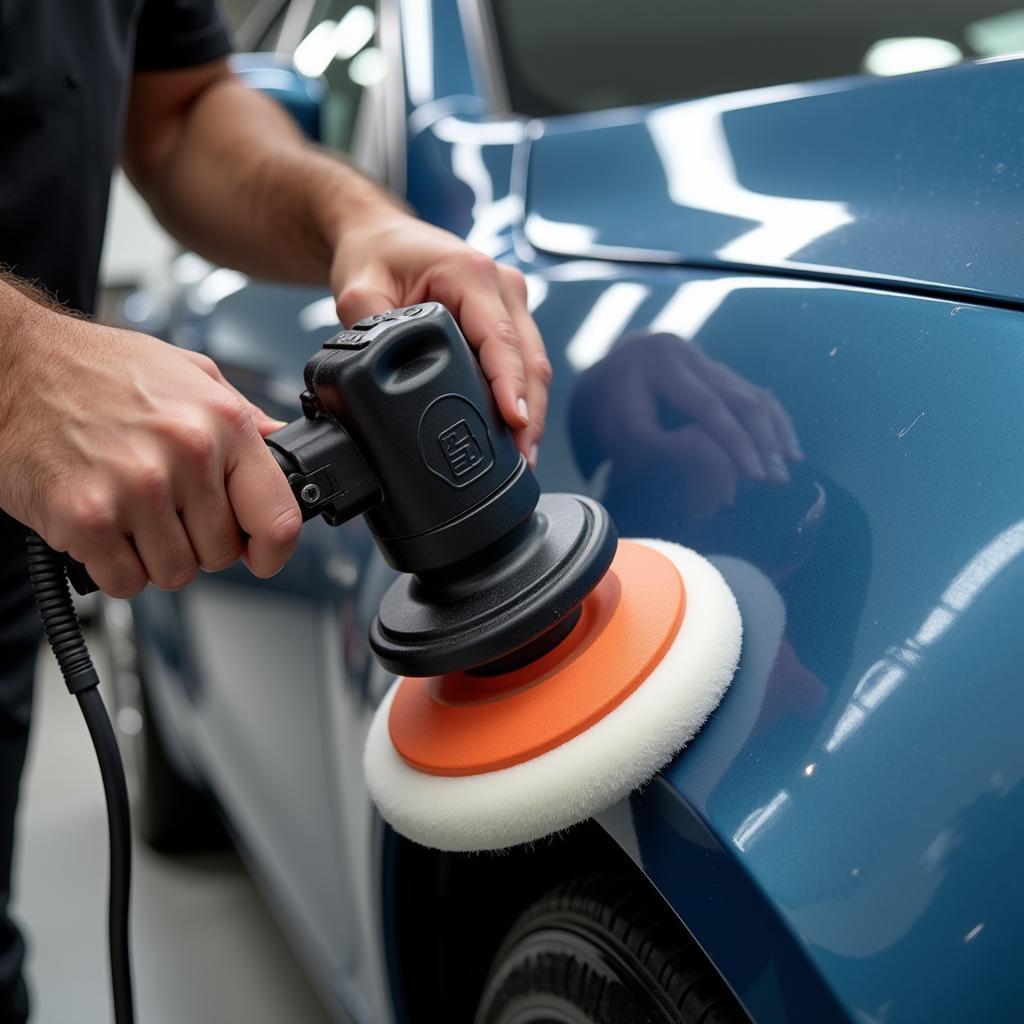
(841, 837)
(913, 180)
(861, 766)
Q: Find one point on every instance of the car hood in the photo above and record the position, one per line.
(914, 181)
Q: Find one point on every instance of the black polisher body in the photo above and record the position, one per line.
(400, 425)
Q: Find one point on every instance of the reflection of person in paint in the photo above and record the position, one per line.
(669, 410)
(692, 451)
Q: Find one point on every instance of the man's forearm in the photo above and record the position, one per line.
(229, 173)
(23, 308)
(237, 182)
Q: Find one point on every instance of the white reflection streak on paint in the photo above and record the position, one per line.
(883, 677)
(536, 291)
(756, 822)
(694, 303)
(938, 621)
(418, 43)
(321, 313)
(849, 722)
(559, 236)
(491, 222)
(490, 217)
(219, 285)
(605, 322)
(690, 140)
(984, 566)
(487, 133)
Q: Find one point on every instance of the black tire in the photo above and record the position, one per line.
(603, 952)
(170, 813)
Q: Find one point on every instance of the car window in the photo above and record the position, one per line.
(576, 55)
(340, 44)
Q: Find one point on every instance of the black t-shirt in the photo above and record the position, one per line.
(65, 73)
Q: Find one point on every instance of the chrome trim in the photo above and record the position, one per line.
(389, 39)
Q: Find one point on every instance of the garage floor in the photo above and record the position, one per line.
(207, 950)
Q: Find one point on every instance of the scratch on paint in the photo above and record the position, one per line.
(907, 430)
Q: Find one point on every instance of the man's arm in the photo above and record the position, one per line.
(227, 171)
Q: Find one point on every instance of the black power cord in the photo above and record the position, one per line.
(46, 569)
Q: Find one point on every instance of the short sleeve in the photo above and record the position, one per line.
(179, 34)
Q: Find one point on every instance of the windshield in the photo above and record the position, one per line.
(562, 56)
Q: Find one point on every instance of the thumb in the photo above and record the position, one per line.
(364, 298)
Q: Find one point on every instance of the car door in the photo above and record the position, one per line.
(257, 643)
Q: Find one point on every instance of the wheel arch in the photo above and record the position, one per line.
(446, 914)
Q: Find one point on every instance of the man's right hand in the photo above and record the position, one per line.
(137, 458)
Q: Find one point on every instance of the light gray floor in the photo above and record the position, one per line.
(207, 950)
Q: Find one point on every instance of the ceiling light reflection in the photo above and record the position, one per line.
(559, 236)
(884, 676)
(605, 323)
(331, 40)
(694, 303)
(979, 572)
(754, 824)
(536, 291)
(319, 314)
(997, 35)
(418, 44)
(904, 55)
(217, 287)
(368, 68)
(691, 141)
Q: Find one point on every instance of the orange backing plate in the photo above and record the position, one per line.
(459, 724)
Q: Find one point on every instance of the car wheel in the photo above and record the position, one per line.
(603, 953)
(170, 813)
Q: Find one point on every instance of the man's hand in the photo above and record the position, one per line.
(228, 173)
(137, 458)
(386, 258)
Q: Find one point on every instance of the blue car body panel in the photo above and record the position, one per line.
(913, 181)
(842, 837)
(862, 775)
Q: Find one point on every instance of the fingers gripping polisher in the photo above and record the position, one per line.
(547, 668)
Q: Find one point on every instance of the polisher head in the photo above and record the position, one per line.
(460, 762)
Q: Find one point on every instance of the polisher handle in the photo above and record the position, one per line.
(336, 483)
(78, 577)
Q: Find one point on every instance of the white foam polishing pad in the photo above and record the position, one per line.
(480, 763)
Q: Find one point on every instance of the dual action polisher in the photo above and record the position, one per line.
(547, 668)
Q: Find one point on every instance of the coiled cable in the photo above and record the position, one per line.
(46, 569)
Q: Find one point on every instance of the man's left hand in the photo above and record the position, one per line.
(387, 258)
